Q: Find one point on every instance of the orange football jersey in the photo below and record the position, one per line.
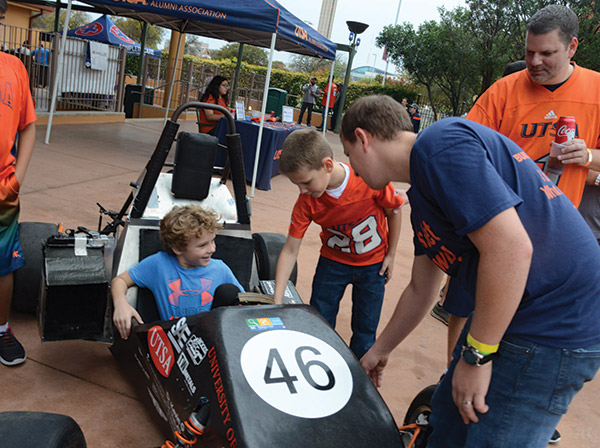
(527, 113)
(354, 226)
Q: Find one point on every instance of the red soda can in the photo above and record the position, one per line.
(565, 129)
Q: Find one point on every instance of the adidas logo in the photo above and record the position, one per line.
(550, 115)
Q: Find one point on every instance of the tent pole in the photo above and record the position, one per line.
(61, 57)
(262, 113)
(57, 16)
(236, 77)
(324, 123)
(172, 79)
(142, 53)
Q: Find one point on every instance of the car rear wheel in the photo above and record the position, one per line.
(27, 280)
(39, 430)
(267, 247)
(419, 412)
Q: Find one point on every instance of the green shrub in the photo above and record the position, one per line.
(292, 82)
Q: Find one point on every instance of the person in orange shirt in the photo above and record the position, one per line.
(526, 105)
(17, 119)
(360, 230)
(216, 93)
(333, 88)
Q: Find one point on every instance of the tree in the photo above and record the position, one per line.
(312, 65)
(252, 55)
(496, 30)
(193, 45)
(46, 21)
(588, 52)
(436, 56)
(308, 64)
(133, 28)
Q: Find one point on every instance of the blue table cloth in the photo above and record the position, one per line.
(274, 134)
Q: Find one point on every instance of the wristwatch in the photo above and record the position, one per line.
(474, 357)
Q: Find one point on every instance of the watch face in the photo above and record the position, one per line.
(469, 357)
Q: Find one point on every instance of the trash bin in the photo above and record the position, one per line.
(276, 100)
(132, 96)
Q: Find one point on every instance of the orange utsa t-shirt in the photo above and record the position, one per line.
(16, 108)
(333, 87)
(211, 99)
(527, 113)
(354, 226)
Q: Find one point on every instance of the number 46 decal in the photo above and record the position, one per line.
(285, 377)
(297, 373)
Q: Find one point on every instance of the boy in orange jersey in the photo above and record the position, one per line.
(358, 245)
(17, 118)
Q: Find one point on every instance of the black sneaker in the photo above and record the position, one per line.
(555, 437)
(11, 350)
(440, 313)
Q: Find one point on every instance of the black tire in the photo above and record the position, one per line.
(39, 430)
(27, 280)
(419, 412)
(267, 247)
(421, 404)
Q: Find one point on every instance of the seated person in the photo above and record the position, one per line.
(216, 93)
(183, 279)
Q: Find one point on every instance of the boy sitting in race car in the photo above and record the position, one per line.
(358, 245)
(184, 279)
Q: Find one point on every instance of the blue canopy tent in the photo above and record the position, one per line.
(263, 23)
(245, 21)
(104, 30)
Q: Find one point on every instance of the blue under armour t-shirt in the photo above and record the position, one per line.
(179, 291)
(462, 174)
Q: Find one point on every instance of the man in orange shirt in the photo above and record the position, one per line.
(17, 117)
(526, 105)
(333, 88)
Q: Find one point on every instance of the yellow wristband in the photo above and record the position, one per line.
(589, 157)
(486, 349)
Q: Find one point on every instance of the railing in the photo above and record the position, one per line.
(81, 87)
(194, 79)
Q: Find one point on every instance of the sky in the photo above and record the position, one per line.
(376, 13)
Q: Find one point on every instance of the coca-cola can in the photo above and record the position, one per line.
(565, 129)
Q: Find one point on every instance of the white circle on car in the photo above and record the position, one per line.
(297, 373)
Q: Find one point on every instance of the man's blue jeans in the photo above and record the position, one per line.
(368, 288)
(531, 388)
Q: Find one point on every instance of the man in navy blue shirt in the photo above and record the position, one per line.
(485, 214)
(415, 118)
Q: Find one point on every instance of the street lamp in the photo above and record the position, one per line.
(355, 28)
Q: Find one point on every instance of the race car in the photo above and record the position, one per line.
(251, 375)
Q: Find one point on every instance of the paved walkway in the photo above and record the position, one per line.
(85, 164)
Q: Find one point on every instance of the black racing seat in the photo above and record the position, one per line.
(194, 161)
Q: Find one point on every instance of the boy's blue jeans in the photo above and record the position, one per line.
(368, 288)
(531, 388)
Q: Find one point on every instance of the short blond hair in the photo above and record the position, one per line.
(305, 148)
(182, 224)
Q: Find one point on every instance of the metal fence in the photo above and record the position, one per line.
(81, 87)
(193, 80)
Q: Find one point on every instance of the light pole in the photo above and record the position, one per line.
(387, 58)
(355, 28)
